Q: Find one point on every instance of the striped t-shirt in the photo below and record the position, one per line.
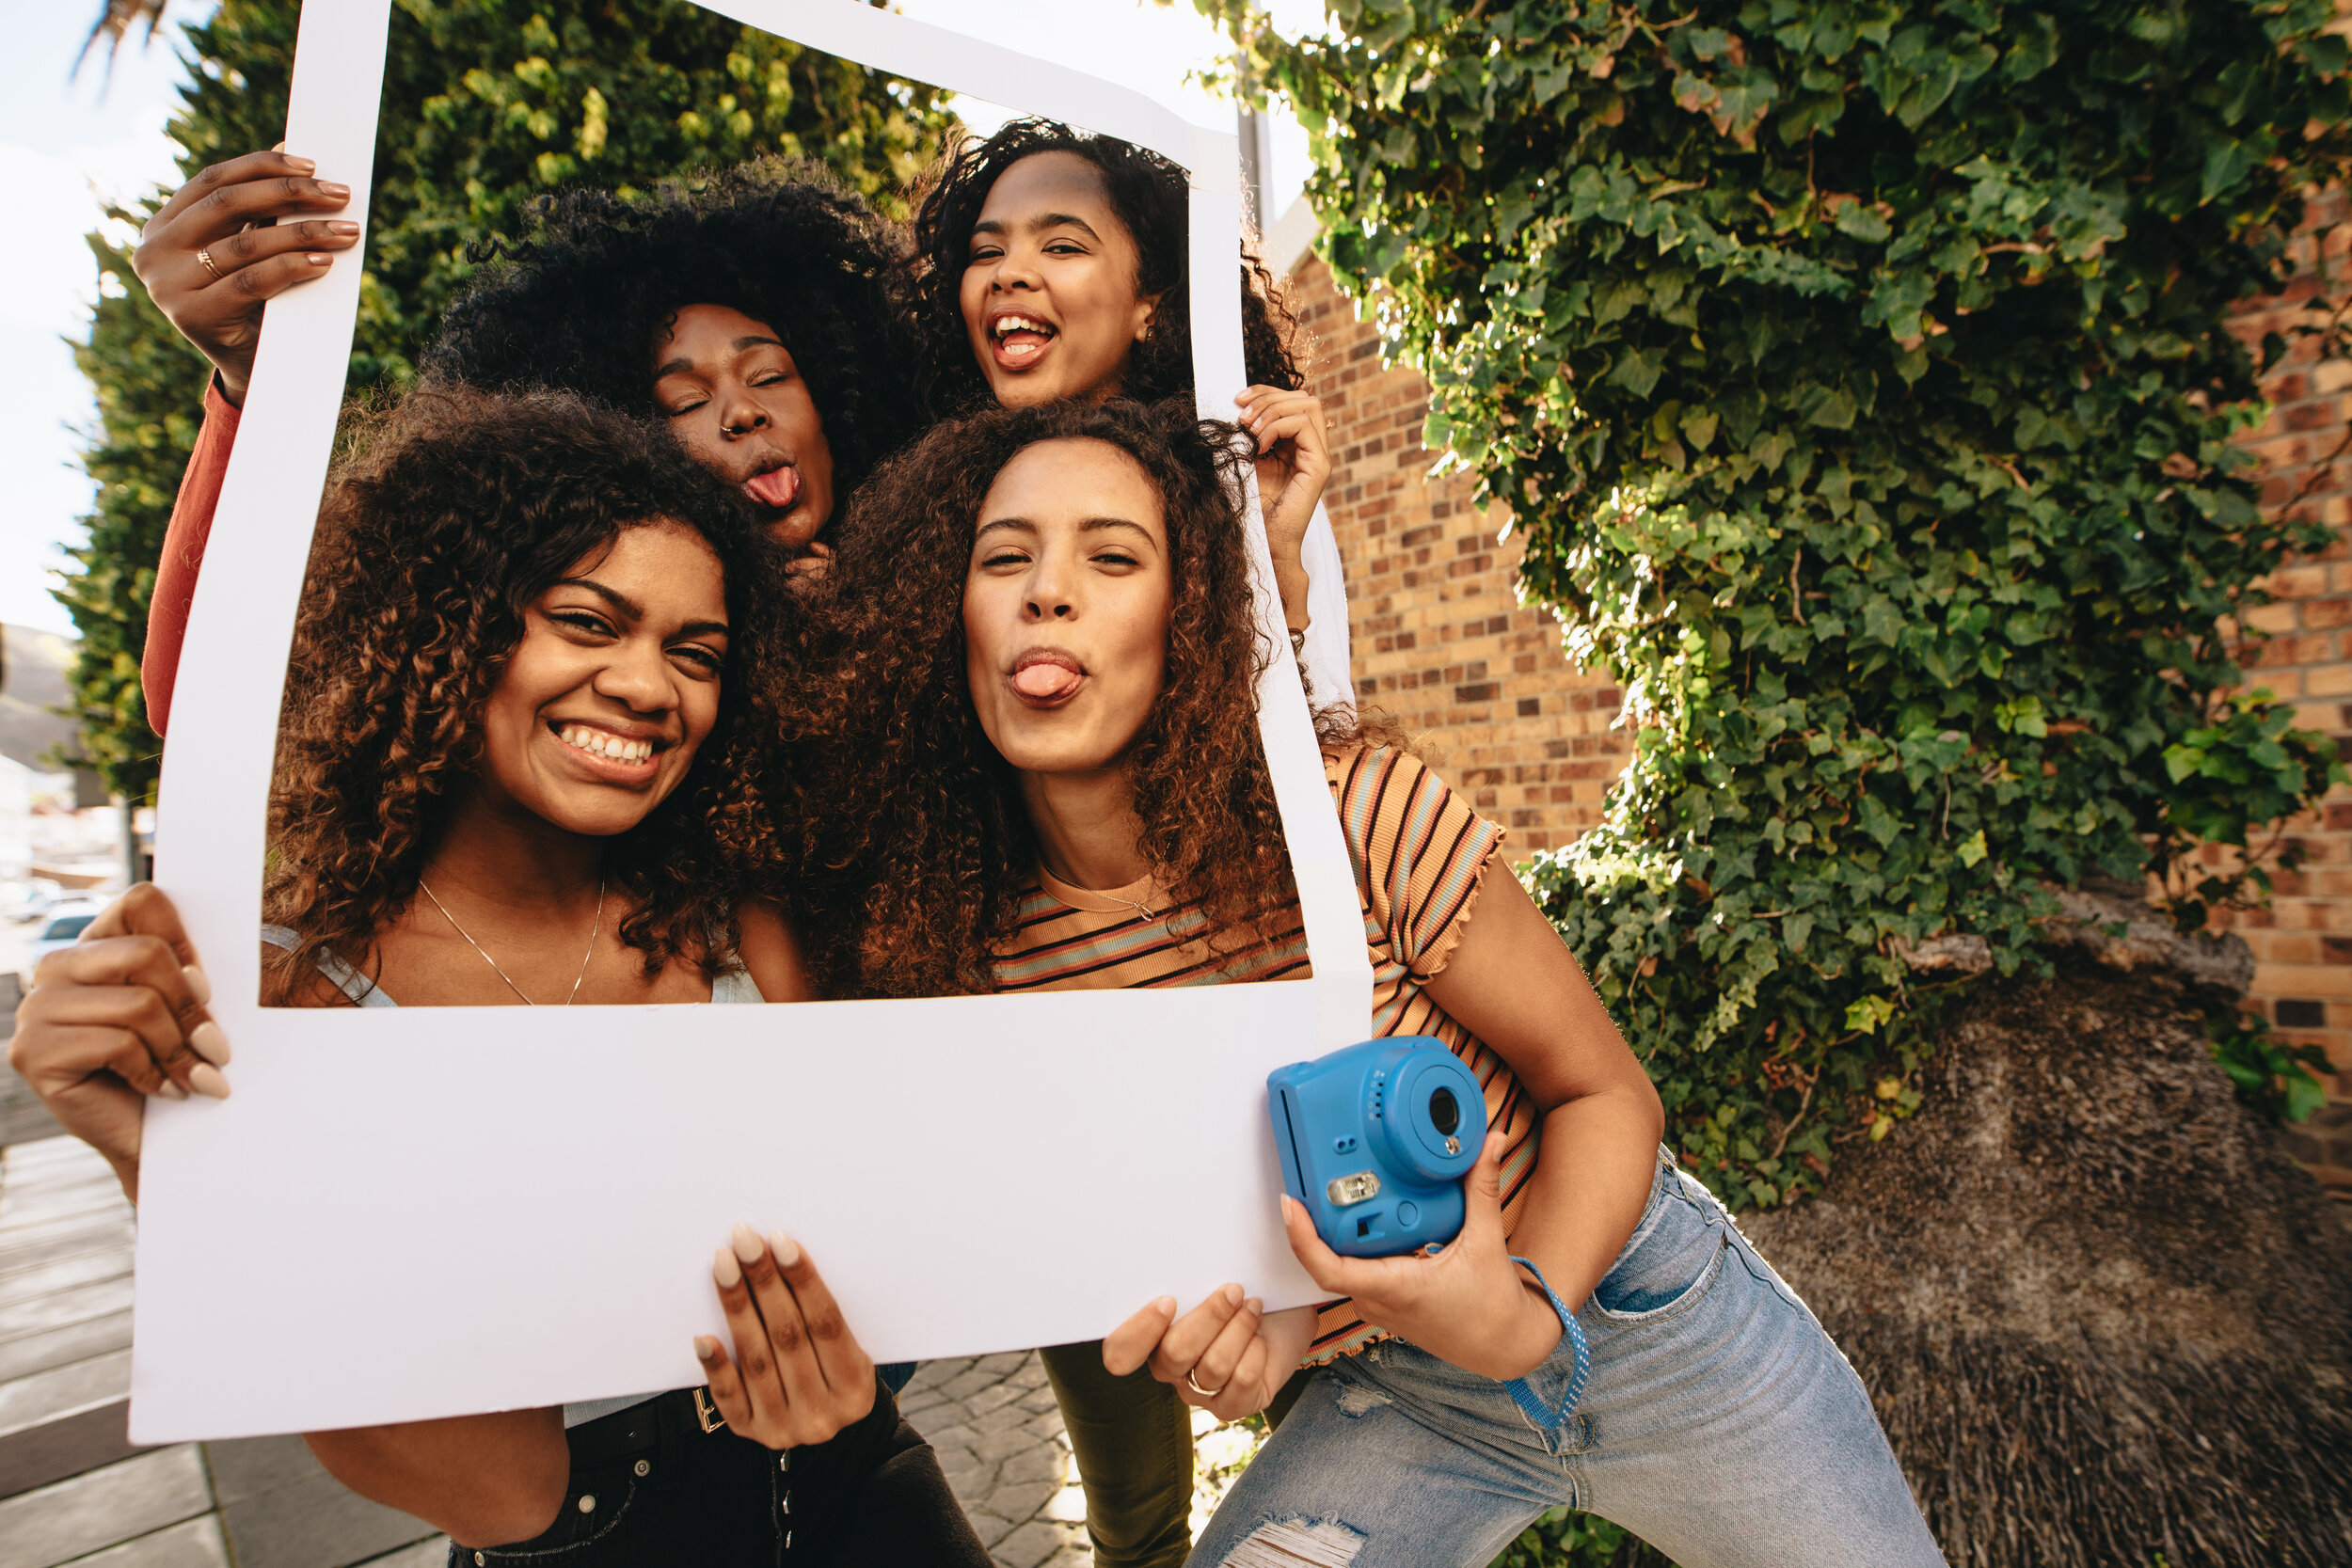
(1420, 854)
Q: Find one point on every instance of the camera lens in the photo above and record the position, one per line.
(1445, 1114)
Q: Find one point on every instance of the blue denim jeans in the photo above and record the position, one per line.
(1719, 1424)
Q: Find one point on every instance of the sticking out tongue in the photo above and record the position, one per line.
(1043, 680)
(779, 488)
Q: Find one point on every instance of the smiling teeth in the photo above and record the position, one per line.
(598, 743)
(1020, 323)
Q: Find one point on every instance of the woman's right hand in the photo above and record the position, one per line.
(799, 1375)
(228, 216)
(1226, 1356)
(115, 1018)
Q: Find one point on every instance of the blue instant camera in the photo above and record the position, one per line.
(1375, 1140)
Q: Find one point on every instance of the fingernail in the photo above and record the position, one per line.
(206, 1080)
(329, 187)
(725, 1270)
(706, 1348)
(787, 1251)
(1233, 1296)
(1167, 1305)
(343, 226)
(210, 1044)
(172, 1091)
(747, 1244)
(198, 987)
(1255, 1304)
(301, 166)
(320, 257)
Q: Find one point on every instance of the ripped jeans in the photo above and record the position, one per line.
(1720, 1423)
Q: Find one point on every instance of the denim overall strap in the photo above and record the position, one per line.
(1524, 1396)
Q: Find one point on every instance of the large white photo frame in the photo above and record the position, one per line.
(339, 1243)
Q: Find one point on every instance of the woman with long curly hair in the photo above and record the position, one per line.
(1097, 813)
(750, 311)
(516, 767)
(1050, 263)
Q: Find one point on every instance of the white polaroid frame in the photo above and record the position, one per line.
(403, 1214)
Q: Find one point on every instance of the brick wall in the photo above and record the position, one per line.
(2303, 941)
(1441, 641)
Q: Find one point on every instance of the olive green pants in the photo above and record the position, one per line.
(1131, 1437)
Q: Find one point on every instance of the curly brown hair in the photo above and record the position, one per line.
(446, 518)
(927, 808)
(1151, 195)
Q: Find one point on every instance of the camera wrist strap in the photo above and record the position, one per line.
(1524, 1396)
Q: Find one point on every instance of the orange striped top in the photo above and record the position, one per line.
(1421, 855)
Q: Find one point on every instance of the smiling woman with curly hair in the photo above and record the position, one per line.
(438, 549)
(516, 766)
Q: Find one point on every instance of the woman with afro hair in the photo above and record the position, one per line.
(750, 311)
(1051, 262)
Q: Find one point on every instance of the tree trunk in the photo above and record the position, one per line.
(2104, 1320)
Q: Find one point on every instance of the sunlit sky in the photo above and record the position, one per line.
(69, 142)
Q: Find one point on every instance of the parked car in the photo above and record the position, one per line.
(65, 925)
(22, 901)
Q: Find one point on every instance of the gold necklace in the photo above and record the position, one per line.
(596, 925)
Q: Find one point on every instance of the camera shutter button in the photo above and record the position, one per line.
(1407, 1215)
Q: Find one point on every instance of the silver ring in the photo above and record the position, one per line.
(204, 255)
(1205, 1393)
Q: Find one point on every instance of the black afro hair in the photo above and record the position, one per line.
(575, 306)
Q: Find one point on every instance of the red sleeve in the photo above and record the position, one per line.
(183, 552)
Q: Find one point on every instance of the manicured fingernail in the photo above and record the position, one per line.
(1233, 1296)
(787, 1251)
(206, 1080)
(706, 1348)
(1255, 1304)
(320, 257)
(725, 1270)
(329, 187)
(343, 226)
(197, 986)
(301, 166)
(746, 1240)
(172, 1091)
(1166, 1307)
(208, 1042)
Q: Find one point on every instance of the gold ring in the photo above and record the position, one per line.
(204, 255)
(1205, 1393)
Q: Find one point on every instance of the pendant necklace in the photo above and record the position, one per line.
(593, 929)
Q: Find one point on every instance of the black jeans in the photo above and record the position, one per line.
(872, 1497)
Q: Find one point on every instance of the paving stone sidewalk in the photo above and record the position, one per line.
(1000, 1440)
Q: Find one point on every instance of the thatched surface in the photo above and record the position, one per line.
(2102, 1315)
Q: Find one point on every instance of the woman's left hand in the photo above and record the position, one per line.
(1293, 465)
(799, 1375)
(1468, 1304)
(1226, 1356)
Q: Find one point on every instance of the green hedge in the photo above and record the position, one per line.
(1859, 378)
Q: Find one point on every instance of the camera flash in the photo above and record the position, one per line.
(1344, 1190)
